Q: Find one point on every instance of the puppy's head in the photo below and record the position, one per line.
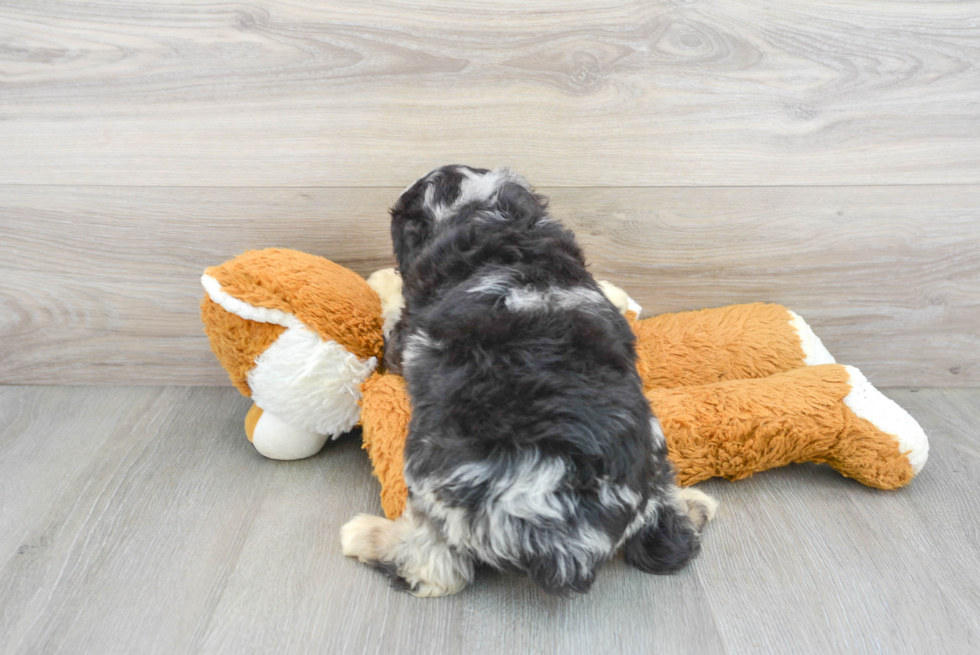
(446, 193)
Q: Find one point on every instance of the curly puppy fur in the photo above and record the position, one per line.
(531, 446)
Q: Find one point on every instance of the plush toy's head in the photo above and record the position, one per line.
(298, 334)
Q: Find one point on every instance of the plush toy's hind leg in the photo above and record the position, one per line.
(740, 342)
(828, 414)
(877, 426)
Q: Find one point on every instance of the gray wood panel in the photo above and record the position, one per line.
(131, 513)
(294, 591)
(140, 520)
(637, 93)
(100, 284)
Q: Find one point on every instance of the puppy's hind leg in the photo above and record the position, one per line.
(408, 550)
(672, 536)
(699, 506)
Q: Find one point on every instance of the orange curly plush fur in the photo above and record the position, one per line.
(698, 347)
(738, 390)
(789, 417)
(385, 413)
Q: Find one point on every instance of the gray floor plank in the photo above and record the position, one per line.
(139, 520)
(293, 590)
(51, 442)
(132, 556)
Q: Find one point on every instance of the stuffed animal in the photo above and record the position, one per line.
(298, 334)
(738, 390)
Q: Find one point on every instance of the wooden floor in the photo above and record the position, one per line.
(140, 520)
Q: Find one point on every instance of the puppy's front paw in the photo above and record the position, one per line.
(700, 506)
(361, 537)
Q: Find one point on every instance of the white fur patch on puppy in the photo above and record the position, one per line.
(553, 298)
(480, 188)
(494, 285)
(475, 187)
(362, 537)
(618, 496)
(415, 345)
(409, 549)
(659, 439)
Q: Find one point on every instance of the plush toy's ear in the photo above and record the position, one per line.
(298, 334)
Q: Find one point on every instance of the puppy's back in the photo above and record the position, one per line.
(530, 440)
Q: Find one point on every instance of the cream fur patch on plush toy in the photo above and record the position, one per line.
(387, 283)
(737, 390)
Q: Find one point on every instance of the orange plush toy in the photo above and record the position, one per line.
(738, 390)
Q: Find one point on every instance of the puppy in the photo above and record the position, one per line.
(531, 446)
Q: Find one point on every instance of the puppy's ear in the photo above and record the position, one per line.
(517, 201)
(410, 229)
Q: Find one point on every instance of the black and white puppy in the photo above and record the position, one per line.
(531, 446)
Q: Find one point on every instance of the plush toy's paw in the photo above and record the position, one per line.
(387, 283)
(620, 299)
(826, 414)
(276, 439)
(883, 446)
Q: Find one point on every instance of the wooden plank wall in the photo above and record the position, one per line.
(825, 155)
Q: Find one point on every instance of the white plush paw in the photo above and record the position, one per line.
(387, 283)
(276, 439)
(888, 416)
(619, 298)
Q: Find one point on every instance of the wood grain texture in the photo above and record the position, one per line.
(126, 551)
(294, 591)
(100, 284)
(140, 520)
(578, 93)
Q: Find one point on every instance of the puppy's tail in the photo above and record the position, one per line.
(673, 537)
